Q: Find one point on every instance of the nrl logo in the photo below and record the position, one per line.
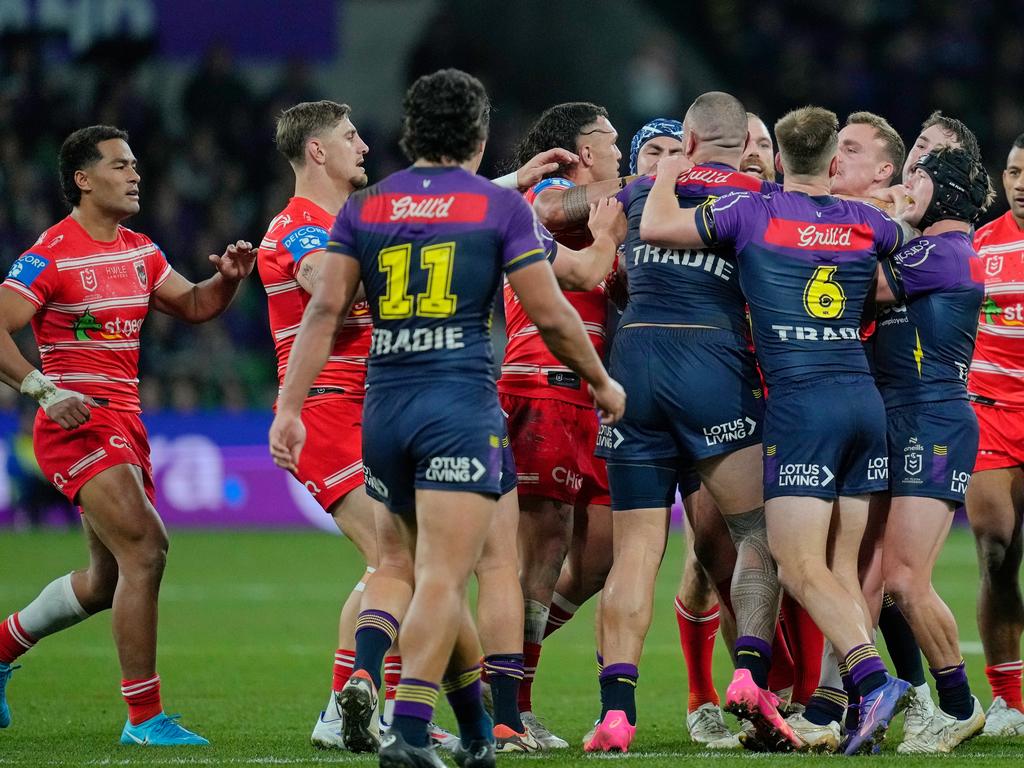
(994, 265)
(89, 281)
(913, 457)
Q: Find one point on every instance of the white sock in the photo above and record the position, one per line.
(535, 621)
(830, 677)
(55, 608)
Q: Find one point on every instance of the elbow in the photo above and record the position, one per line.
(651, 233)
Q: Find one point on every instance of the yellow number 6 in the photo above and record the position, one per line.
(824, 297)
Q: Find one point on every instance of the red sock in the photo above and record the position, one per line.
(806, 641)
(143, 698)
(392, 674)
(781, 675)
(343, 661)
(14, 640)
(556, 618)
(531, 657)
(1005, 681)
(697, 637)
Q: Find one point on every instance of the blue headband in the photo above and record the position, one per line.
(659, 126)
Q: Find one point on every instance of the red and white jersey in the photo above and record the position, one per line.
(91, 299)
(301, 229)
(997, 371)
(529, 369)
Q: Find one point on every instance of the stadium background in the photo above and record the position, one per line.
(198, 84)
(249, 619)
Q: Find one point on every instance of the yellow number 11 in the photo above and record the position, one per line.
(436, 301)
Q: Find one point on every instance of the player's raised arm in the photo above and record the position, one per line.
(199, 302)
(584, 270)
(562, 330)
(333, 294)
(536, 168)
(663, 222)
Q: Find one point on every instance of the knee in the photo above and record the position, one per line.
(904, 582)
(994, 552)
(145, 553)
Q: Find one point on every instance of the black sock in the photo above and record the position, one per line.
(899, 640)
(618, 690)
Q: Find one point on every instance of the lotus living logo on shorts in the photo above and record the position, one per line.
(455, 469)
(960, 481)
(737, 429)
(609, 437)
(374, 483)
(878, 468)
(805, 475)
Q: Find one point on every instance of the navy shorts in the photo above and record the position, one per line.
(443, 435)
(932, 448)
(509, 480)
(825, 438)
(651, 483)
(692, 393)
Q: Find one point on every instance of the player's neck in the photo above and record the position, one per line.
(947, 225)
(1017, 220)
(322, 192)
(815, 186)
(722, 158)
(99, 225)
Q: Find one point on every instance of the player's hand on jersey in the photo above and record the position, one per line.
(610, 399)
(892, 200)
(287, 436)
(69, 409)
(673, 166)
(541, 164)
(606, 217)
(236, 262)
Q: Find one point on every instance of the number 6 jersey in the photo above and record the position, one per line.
(806, 265)
(432, 244)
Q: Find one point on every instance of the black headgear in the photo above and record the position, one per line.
(961, 186)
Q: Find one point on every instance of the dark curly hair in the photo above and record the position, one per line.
(79, 151)
(447, 115)
(558, 126)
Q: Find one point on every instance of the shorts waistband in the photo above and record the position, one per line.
(839, 379)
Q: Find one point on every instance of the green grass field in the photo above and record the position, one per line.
(247, 636)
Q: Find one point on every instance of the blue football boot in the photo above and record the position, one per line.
(160, 731)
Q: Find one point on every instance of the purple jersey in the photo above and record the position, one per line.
(924, 343)
(697, 286)
(432, 244)
(806, 267)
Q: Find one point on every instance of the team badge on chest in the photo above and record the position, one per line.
(89, 281)
(994, 265)
(140, 271)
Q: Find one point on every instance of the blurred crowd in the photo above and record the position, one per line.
(211, 175)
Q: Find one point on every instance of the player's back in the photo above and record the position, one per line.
(432, 243)
(924, 344)
(806, 268)
(299, 230)
(996, 371)
(92, 298)
(685, 286)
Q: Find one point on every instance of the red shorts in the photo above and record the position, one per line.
(331, 462)
(553, 445)
(1000, 437)
(69, 459)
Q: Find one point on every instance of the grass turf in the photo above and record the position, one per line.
(247, 636)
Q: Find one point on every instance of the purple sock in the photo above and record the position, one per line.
(866, 668)
(414, 708)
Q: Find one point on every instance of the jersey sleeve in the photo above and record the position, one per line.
(159, 267)
(523, 241)
(726, 220)
(888, 234)
(301, 241)
(919, 269)
(552, 183)
(343, 233)
(34, 277)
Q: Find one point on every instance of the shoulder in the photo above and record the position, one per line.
(134, 239)
(990, 232)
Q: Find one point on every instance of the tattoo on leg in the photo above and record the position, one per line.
(574, 204)
(755, 582)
